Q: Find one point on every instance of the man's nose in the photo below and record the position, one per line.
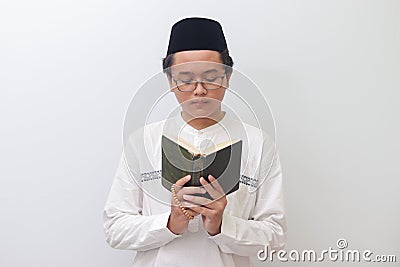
(200, 90)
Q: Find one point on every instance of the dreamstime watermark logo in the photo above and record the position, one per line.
(341, 254)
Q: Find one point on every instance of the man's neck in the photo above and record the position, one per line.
(204, 122)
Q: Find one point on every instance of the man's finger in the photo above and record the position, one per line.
(213, 192)
(192, 212)
(190, 190)
(188, 204)
(200, 200)
(202, 210)
(182, 181)
(216, 184)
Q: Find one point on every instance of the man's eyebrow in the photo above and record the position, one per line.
(185, 72)
(188, 72)
(209, 71)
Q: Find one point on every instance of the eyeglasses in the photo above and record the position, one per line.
(189, 85)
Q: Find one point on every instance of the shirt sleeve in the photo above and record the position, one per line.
(267, 226)
(124, 225)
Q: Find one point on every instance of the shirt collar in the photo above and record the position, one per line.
(210, 129)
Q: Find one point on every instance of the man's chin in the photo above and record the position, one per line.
(200, 112)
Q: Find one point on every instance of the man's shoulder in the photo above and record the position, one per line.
(155, 127)
(145, 132)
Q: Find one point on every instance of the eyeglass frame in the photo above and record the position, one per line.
(197, 82)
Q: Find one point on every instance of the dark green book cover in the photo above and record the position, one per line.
(179, 160)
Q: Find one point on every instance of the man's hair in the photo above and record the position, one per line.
(224, 56)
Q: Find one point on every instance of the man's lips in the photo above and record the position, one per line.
(199, 101)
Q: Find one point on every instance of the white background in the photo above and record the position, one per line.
(68, 69)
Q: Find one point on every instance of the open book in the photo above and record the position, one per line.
(222, 161)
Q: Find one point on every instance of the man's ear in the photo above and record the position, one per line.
(171, 85)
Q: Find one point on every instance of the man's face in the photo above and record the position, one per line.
(194, 66)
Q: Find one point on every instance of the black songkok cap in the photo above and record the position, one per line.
(196, 34)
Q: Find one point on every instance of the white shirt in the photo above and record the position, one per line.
(138, 206)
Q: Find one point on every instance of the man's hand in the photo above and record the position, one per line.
(212, 210)
(178, 222)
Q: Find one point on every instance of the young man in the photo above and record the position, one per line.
(194, 230)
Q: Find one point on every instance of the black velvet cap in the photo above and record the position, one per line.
(196, 34)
